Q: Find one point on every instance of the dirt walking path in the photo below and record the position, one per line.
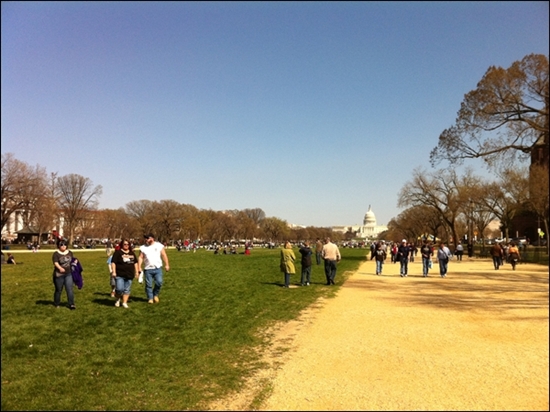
(476, 340)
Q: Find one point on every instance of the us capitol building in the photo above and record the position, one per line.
(368, 230)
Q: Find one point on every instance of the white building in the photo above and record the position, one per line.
(368, 230)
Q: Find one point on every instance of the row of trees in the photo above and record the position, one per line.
(502, 122)
(443, 204)
(47, 201)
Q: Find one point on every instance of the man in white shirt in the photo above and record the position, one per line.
(331, 255)
(150, 261)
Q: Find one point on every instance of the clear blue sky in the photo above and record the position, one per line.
(310, 111)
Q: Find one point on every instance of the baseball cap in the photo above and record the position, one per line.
(404, 241)
(148, 235)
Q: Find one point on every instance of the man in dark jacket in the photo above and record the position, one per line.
(306, 253)
(403, 252)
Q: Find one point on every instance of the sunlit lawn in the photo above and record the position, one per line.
(197, 344)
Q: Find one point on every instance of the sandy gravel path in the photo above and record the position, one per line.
(476, 340)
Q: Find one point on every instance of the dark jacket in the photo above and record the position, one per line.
(306, 253)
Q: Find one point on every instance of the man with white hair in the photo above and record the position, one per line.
(331, 255)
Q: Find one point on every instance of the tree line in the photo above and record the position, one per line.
(47, 201)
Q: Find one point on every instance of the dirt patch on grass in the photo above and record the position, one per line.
(476, 340)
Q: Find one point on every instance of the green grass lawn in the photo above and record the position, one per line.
(200, 342)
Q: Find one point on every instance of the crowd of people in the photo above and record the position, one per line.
(125, 265)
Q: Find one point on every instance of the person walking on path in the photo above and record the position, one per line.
(443, 256)
(62, 274)
(151, 256)
(513, 255)
(287, 262)
(124, 268)
(459, 251)
(318, 250)
(306, 253)
(403, 256)
(331, 256)
(380, 256)
(426, 251)
(497, 253)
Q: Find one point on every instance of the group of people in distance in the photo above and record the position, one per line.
(327, 251)
(509, 252)
(125, 266)
(405, 252)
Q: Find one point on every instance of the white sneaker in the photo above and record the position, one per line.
(125, 305)
(117, 303)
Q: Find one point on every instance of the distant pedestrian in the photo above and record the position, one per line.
(151, 256)
(62, 274)
(459, 251)
(497, 253)
(306, 253)
(108, 246)
(443, 256)
(426, 252)
(331, 255)
(380, 256)
(287, 262)
(318, 250)
(403, 252)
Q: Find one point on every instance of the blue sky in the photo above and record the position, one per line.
(311, 111)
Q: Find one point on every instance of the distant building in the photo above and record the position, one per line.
(368, 230)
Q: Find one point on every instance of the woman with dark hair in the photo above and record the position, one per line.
(124, 265)
(62, 274)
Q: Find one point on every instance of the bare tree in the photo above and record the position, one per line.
(539, 199)
(439, 190)
(21, 187)
(274, 229)
(76, 196)
(501, 119)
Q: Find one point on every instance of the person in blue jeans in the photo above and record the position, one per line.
(151, 256)
(380, 257)
(403, 252)
(62, 274)
(426, 251)
(443, 256)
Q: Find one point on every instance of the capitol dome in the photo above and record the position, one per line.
(370, 219)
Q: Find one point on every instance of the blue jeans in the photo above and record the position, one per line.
(318, 256)
(443, 264)
(59, 282)
(425, 265)
(404, 266)
(287, 279)
(330, 270)
(123, 286)
(306, 275)
(379, 264)
(150, 276)
(496, 261)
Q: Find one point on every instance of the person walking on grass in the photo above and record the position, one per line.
(443, 256)
(151, 256)
(287, 262)
(318, 250)
(331, 256)
(62, 274)
(124, 268)
(306, 253)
